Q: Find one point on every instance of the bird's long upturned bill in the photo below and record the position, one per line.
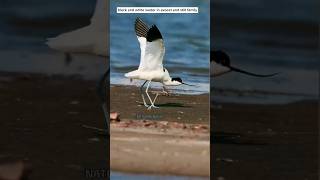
(250, 73)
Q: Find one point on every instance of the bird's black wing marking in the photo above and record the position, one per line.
(153, 34)
(141, 28)
(220, 57)
(251, 74)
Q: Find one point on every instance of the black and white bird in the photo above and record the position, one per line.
(220, 64)
(151, 68)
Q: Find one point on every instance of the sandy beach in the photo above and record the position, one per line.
(127, 101)
(265, 142)
(171, 140)
(160, 151)
(41, 123)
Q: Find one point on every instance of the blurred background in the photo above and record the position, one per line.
(266, 128)
(267, 37)
(25, 26)
(46, 96)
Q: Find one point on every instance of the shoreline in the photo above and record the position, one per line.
(127, 101)
(195, 89)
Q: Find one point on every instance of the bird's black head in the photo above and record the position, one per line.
(177, 79)
(220, 57)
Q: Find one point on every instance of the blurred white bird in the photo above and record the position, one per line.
(91, 39)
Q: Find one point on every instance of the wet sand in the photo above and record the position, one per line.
(171, 140)
(265, 141)
(42, 118)
(127, 101)
(41, 123)
(148, 150)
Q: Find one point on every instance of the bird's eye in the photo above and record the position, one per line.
(164, 70)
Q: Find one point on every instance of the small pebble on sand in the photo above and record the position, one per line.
(114, 116)
(74, 102)
(93, 139)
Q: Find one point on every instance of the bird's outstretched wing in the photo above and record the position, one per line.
(151, 46)
(141, 28)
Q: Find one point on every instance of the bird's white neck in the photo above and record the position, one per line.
(218, 69)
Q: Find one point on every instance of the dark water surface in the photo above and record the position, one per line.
(266, 36)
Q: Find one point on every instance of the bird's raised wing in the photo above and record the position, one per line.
(151, 46)
(141, 29)
(154, 51)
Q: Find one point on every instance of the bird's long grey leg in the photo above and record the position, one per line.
(144, 101)
(155, 100)
(152, 105)
(165, 91)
